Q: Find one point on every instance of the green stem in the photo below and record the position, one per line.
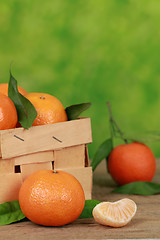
(113, 123)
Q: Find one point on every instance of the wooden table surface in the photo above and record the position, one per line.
(145, 224)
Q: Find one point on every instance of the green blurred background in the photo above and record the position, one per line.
(88, 51)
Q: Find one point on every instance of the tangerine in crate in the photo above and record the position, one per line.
(49, 109)
(51, 198)
(4, 89)
(8, 113)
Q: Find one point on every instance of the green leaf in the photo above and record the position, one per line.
(102, 153)
(88, 208)
(10, 212)
(25, 109)
(74, 111)
(139, 188)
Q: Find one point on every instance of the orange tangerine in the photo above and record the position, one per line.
(115, 214)
(8, 113)
(4, 89)
(51, 198)
(49, 109)
(131, 162)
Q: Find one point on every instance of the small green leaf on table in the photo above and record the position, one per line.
(10, 212)
(88, 208)
(74, 111)
(139, 188)
(102, 153)
(25, 109)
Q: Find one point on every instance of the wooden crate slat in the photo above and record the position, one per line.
(0, 144)
(70, 157)
(9, 186)
(84, 176)
(19, 141)
(6, 166)
(34, 158)
(28, 169)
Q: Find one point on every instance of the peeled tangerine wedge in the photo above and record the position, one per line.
(116, 214)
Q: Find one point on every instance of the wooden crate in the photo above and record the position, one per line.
(59, 146)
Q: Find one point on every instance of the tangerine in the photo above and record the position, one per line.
(49, 108)
(131, 162)
(8, 113)
(4, 89)
(51, 198)
(116, 214)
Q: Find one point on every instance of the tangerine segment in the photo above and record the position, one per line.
(116, 214)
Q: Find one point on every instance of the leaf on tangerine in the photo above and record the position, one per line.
(74, 111)
(25, 110)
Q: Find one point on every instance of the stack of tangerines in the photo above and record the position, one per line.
(49, 108)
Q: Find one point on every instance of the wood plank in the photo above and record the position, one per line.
(70, 157)
(17, 142)
(84, 176)
(0, 144)
(6, 166)
(28, 169)
(9, 186)
(34, 158)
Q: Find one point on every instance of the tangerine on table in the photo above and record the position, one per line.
(131, 162)
(4, 89)
(8, 113)
(49, 108)
(116, 214)
(51, 198)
